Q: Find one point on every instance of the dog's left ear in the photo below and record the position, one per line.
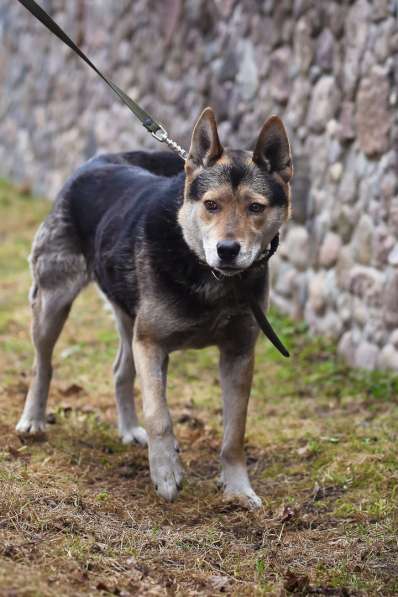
(273, 150)
(205, 144)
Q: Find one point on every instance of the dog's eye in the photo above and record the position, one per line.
(256, 208)
(211, 205)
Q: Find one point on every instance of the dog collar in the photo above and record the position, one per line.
(255, 308)
(271, 250)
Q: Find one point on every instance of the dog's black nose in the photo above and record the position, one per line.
(228, 249)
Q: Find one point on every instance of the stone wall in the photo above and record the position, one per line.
(329, 68)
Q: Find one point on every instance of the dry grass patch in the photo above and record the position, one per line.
(78, 515)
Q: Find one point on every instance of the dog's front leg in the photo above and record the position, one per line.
(164, 462)
(236, 373)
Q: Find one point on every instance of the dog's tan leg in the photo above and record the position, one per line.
(164, 462)
(124, 374)
(236, 373)
(50, 309)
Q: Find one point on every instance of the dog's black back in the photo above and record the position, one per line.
(113, 182)
(122, 206)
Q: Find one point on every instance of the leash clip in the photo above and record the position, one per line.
(163, 136)
(160, 134)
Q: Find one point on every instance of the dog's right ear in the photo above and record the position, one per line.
(205, 144)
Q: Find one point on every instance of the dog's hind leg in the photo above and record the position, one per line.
(59, 273)
(236, 372)
(50, 309)
(124, 374)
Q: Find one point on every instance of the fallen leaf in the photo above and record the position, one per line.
(14, 452)
(191, 421)
(67, 352)
(304, 451)
(295, 583)
(219, 583)
(71, 390)
(9, 551)
(98, 547)
(286, 513)
(317, 492)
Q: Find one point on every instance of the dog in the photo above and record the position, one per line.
(175, 250)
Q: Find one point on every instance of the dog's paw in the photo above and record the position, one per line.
(135, 435)
(30, 425)
(166, 469)
(237, 488)
(246, 497)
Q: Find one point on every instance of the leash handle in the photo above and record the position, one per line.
(146, 119)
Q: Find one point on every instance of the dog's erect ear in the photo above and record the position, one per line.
(205, 145)
(273, 149)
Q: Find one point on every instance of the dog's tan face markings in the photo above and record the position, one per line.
(235, 196)
(232, 218)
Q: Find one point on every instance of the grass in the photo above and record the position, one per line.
(78, 515)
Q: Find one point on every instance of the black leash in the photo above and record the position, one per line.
(267, 328)
(157, 131)
(257, 311)
(153, 127)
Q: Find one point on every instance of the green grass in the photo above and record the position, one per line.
(78, 515)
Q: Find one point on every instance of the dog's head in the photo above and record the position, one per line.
(235, 201)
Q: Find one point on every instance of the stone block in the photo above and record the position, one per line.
(324, 103)
(325, 50)
(279, 74)
(330, 250)
(363, 240)
(390, 299)
(366, 356)
(373, 117)
(298, 247)
(388, 358)
(316, 293)
(304, 48)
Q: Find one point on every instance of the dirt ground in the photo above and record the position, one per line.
(78, 515)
